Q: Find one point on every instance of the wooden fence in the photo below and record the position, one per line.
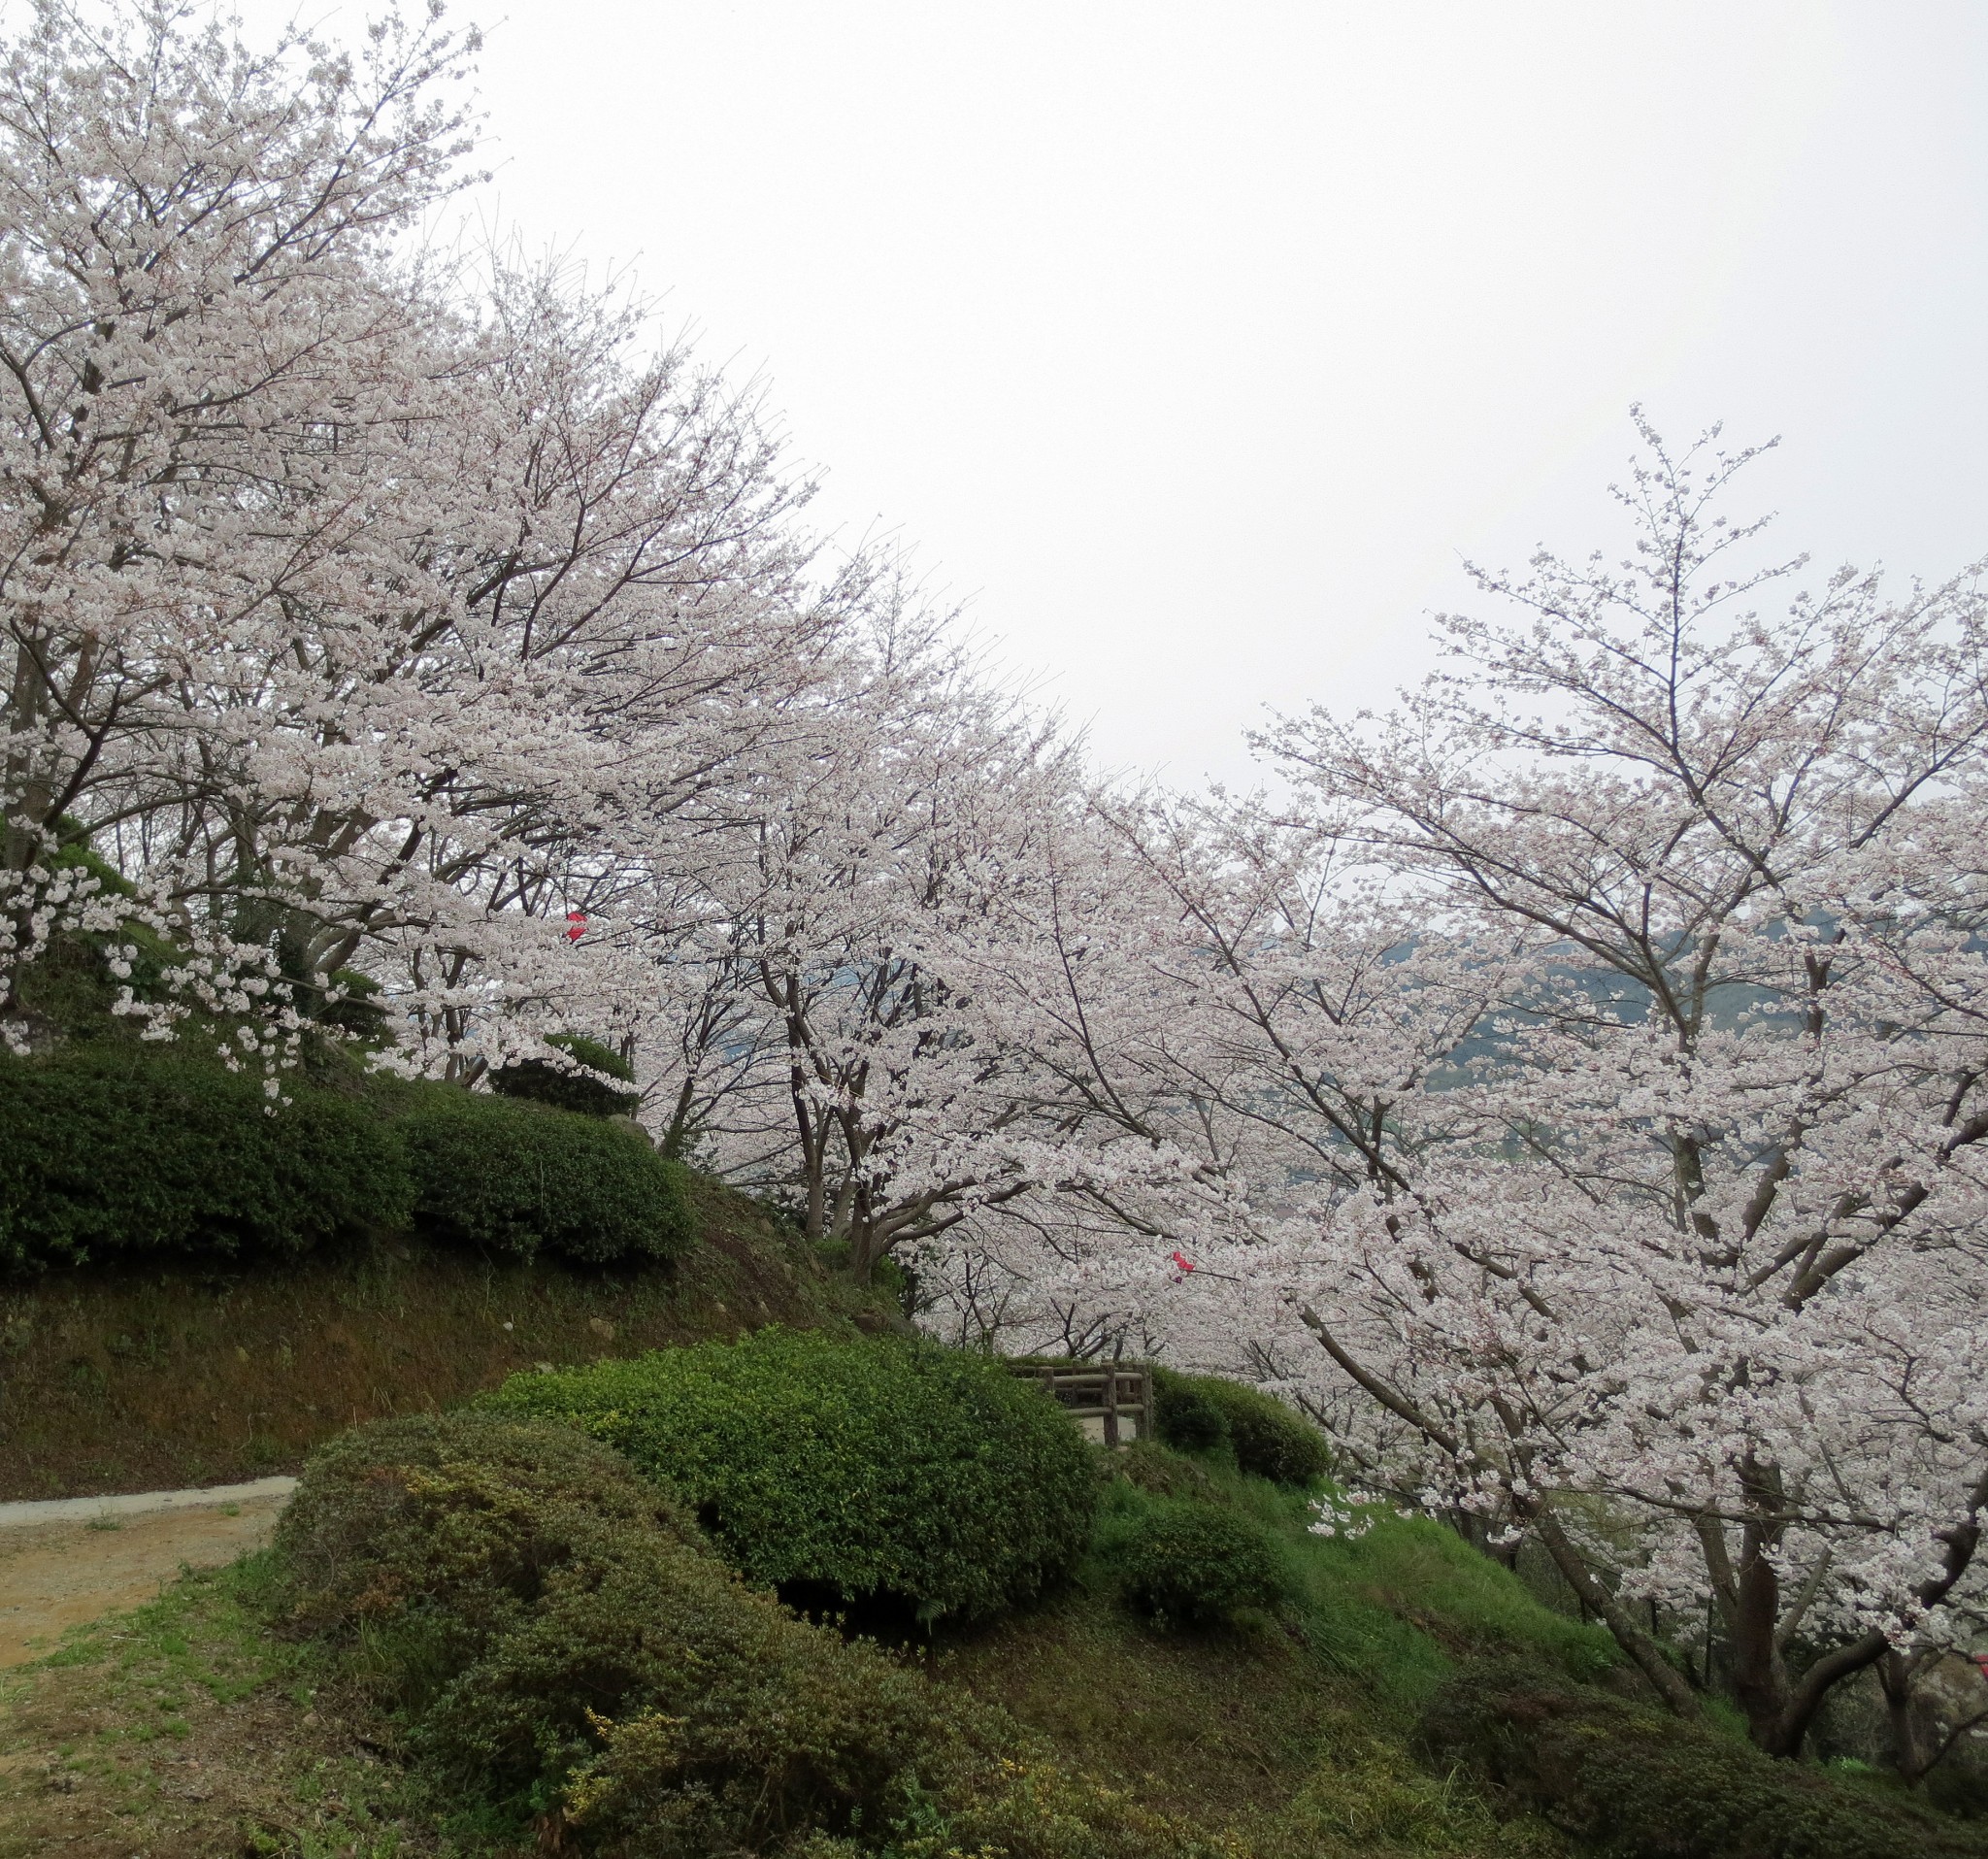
(1112, 1402)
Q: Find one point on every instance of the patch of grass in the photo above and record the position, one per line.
(1410, 1574)
(185, 1727)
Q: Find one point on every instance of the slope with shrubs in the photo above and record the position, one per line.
(542, 1649)
(132, 1376)
(196, 1284)
(537, 1655)
(546, 1632)
(199, 1281)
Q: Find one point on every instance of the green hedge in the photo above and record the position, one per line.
(540, 1082)
(873, 1468)
(1190, 1563)
(524, 1178)
(1208, 1413)
(121, 1147)
(518, 1178)
(116, 1146)
(1637, 1784)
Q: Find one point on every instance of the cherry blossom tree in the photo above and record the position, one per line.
(203, 355)
(364, 608)
(1580, 1096)
(841, 989)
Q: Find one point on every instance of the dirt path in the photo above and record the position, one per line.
(89, 1558)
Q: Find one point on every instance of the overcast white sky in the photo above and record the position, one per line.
(1192, 345)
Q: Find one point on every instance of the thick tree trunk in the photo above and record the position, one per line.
(1760, 1674)
(1894, 1675)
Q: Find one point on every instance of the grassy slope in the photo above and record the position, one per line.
(127, 1379)
(183, 1726)
(1294, 1735)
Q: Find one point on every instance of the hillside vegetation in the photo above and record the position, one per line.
(198, 1285)
(294, 1705)
(487, 1634)
(484, 1632)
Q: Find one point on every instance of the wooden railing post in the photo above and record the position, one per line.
(1117, 1386)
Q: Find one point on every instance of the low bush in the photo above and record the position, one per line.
(1637, 1784)
(459, 1518)
(1204, 1412)
(545, 1081)
(1268, 1439)
(977, 1788)
(878, 1469)
(518, 1178)
(548, 1630)
(1185, 1562)
(1185, 1417)
(120, 1147)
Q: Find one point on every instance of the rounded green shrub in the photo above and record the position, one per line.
(1185, 1413)
(541, 1081)
(518, 1178)
(1183, 1561)
(120, 1147)
(462, 1518)
(1203, 1412)
(873, 1468)
(1268, 1439)
(549, 1629)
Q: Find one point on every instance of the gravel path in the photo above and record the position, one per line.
(27, 1514)
(69, 1560)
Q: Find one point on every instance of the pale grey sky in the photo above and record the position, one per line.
(1193, 344)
